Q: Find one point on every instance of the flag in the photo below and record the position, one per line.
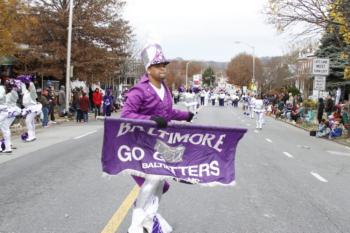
(191, 153)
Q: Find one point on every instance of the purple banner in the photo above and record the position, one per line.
(191, 153)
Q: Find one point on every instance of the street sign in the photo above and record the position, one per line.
(197, 80)
(320, 83)
(244, 89)
(320, 66)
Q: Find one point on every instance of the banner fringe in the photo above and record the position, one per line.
(163, 177)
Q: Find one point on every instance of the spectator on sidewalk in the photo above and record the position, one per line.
(337, 113)
(91, 102)
(345, 119)
(79, 113)
(53, 101)
(323, 129)
(280, 109)
(108, 100)
(329, 105)
(62, 101)
(297, 112)
(336, 130)
(84, 107)
(46, 106)
(320, 109)
(75, 104)
(97, 99)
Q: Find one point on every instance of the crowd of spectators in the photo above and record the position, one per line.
(330, 118)
(83, 102)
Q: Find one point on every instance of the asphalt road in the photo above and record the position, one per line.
(286, 180)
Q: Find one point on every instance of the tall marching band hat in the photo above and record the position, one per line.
(25, 78)
(152, 55)
(14, 83)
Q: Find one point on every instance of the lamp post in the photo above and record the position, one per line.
(253, 48)
(69, 48)
(187, 73)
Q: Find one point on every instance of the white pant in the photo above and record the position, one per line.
(6, 132)
(251, 112)
(30, 123)
(146, 207)
(3, 116)
(192, 107)
(259, 119)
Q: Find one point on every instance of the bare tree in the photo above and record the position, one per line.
(240, 70)
(100, 39)
(314, 16)
(14, 19)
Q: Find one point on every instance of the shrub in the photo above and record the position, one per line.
(295, 91)
(309, 103)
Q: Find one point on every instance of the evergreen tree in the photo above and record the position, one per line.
(332, 48)
(208, 76)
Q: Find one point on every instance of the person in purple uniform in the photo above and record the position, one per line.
(150, 99)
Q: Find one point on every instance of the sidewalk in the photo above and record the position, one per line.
(20, 127)
(343, 140)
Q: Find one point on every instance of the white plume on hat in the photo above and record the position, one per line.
(153, 54)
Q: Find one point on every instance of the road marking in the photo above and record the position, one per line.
(248, 124)
(338, 153)
(317, 176)
(101, 118)
(81, 136)
(303, 146)
(288, 155)
(256, 131)
(118, 217)
(269, 140)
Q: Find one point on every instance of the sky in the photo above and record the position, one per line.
(204, 30)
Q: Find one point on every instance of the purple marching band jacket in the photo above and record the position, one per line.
(143, 102)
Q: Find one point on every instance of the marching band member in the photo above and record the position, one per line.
(190, 101)
(12, 110)
(3, 107)
(213, 97)
(259, 109)
(31, 107)
(251, 101)
(245, 100)
(151, 99)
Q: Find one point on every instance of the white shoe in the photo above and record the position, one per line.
(148, 224)
(150, 210)
(164, 225)
(6, 151)
(138, 217)
(166, 228)
(30, 140)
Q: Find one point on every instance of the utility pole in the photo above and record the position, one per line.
(69, 48)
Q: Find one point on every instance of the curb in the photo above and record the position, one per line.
(22, 128)
(339, 141)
